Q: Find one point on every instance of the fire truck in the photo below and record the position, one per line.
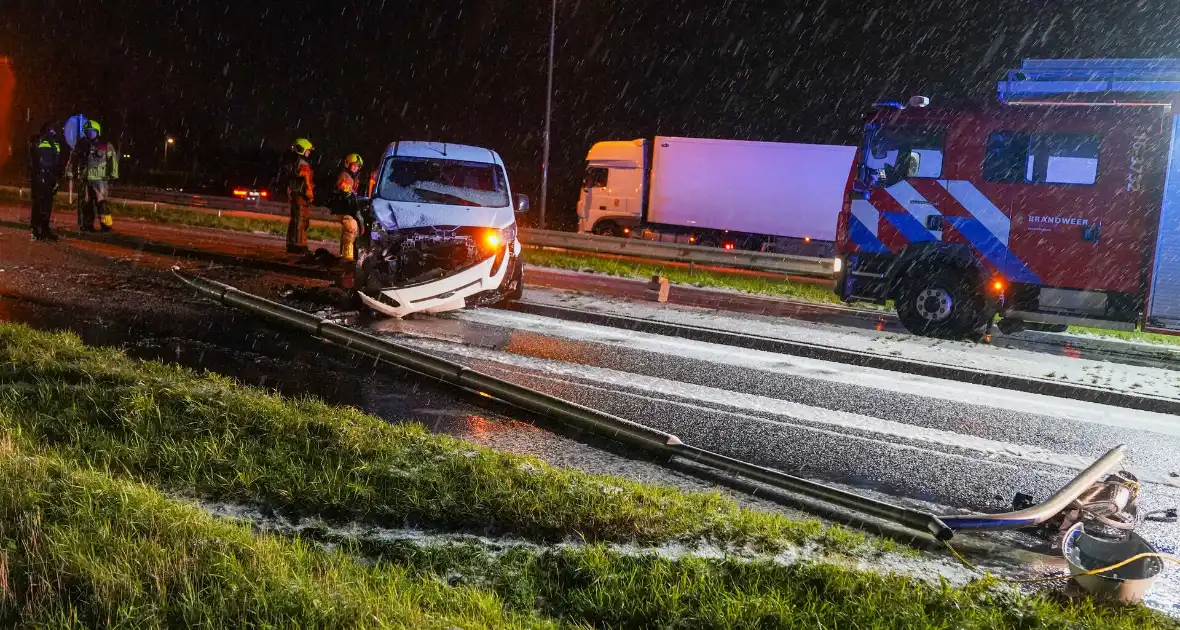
(1058, 205)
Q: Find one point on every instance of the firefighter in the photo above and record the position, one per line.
(298, 177)
(96, 163)
(344, 205)
(46, 167)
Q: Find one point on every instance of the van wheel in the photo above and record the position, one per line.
(515, 283)
(608, 228)
(943, 304)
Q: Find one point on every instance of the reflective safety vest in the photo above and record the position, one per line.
(102, 162)
(47, 158)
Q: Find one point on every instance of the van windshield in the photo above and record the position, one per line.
(443, 182)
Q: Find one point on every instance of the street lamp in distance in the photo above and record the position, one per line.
(548, 113)
(168, 142)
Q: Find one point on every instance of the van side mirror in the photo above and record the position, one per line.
(522, 204)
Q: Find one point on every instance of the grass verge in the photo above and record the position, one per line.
(761, 285)
(83, 550)
(173, 215)
(183, 432)
(635, 590)
(85, 546)
(1136, 336)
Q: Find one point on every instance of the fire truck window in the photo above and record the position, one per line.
(1007, 157)
(596, 177)
(926, 150)
(1065, 158)
(1041, 158)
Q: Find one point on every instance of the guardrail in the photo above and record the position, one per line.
(672, 252)
(152, 196)
(200, 201)
(710, 256)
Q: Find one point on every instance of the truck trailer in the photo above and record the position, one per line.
(734, 194)
(1057, 205)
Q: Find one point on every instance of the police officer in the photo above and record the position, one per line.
(96, 163)
(344, 205)
(46, 166)
(301, 193)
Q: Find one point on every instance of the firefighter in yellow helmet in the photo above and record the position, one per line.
(344, 205)
(96, 163)
(297, 175)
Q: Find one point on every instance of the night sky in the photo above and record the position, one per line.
(356, 74)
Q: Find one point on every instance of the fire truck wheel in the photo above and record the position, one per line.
(944, 304)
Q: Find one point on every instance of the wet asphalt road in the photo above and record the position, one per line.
(936, 443)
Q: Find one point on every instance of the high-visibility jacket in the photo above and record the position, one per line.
(45, 160)
(343, 199)
(345, 182)
(101, 161)
(300, 182)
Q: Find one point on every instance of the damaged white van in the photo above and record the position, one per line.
(442, 231)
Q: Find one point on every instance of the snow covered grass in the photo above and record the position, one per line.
(86, 550)
(747, 283)
(89, 439)
(1134, 336)
(205, 434)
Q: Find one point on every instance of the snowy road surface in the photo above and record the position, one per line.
(1038, 365)
(943, 443)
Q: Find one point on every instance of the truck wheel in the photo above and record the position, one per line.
(1012, 326)
(1053, 328)
(608, 228)
(944, 304)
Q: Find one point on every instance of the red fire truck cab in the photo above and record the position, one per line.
(1058, 205)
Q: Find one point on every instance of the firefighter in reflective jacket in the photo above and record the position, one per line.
(344, 205)
(46, 166)
(96, 163)
(301, 192)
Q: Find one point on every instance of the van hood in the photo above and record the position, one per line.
(395, 215)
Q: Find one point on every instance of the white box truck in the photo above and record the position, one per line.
(735, 194)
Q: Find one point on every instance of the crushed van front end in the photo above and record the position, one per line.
(441, 231)
(437, 269)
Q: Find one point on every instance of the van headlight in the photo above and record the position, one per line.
(838, 265)
(493, 241)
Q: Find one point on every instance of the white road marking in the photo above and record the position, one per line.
(615, 380)
(952, 391)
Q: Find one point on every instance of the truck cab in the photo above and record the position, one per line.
(1046, 210)
(612, 198)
